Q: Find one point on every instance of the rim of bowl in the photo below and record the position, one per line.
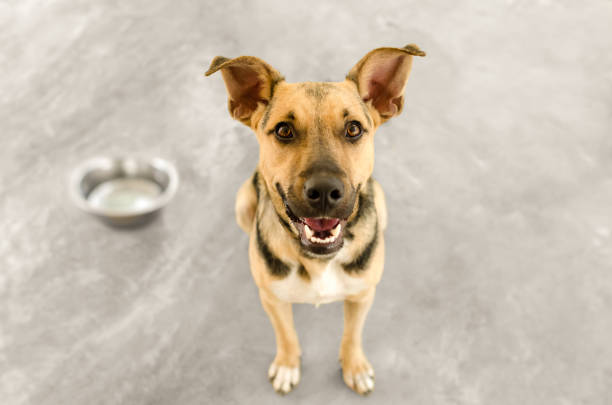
(106, 162)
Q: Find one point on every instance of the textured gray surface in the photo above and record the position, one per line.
(498, 284)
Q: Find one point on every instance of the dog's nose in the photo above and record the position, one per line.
(323, 191)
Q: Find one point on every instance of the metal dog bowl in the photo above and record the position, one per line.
(123, 191)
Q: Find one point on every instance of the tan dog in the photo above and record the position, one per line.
(314, 215)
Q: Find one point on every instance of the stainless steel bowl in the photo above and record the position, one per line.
(123, 191)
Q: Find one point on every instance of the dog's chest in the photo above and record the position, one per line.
(333, 284)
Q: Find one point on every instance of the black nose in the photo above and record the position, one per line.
(323, 191)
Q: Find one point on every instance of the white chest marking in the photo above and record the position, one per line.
(333, 284)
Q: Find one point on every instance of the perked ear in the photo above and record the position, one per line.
(249, 81)
(381, 76)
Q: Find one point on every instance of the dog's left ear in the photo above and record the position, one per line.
(381, 76)
(249, 81)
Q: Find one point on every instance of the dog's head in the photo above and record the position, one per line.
(317, 139)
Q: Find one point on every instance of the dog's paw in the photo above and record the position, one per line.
(358, 375)
(283, 378)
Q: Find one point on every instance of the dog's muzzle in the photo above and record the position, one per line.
(320, 216)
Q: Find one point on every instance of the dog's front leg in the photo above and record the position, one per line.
(356, 370)
(284, 372)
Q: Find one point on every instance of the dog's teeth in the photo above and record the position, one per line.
(336, 231)
(309, 232)
(310, 235)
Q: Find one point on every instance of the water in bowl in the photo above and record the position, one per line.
(125, 195)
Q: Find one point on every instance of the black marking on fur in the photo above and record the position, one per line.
(288, 211)
(345, 113)
(366, 112)
(275, 265)
(255, 182)
(360, 211)
(363, 259)
(285, 224)
(366, 204)
(324, 164)
(303, 273)
(215, 64)
(266, 116)
(323, 258)
(348, 234)
(273, 84)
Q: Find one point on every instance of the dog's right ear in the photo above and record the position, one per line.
(249, 81)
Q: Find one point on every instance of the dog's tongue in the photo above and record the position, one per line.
(321, 224)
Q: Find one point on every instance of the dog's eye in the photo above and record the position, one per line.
(353, 130)
(283, 131)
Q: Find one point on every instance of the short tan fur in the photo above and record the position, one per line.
(305, 131)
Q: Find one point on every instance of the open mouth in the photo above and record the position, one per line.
(320, 235)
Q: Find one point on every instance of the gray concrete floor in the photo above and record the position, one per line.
(498, 284)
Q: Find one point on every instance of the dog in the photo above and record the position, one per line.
(314, 215)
